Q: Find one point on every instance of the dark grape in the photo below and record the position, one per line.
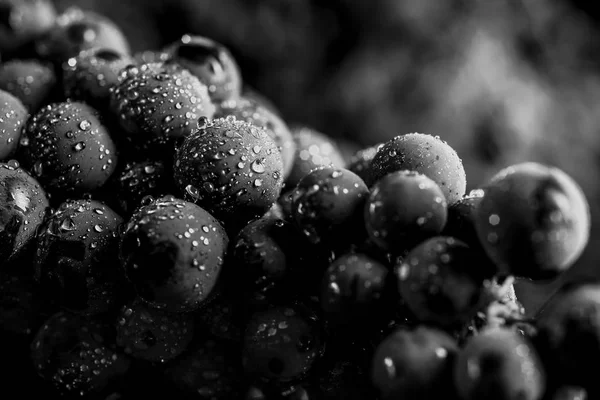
(91, 74)
(313, 150)
(172, 252)
(569, 335)
(77, 355)
(327, 205)
(69, 149)
(440, 282)
(30, 81)
(499, 364)
(414, 364)
(264, 255)
(231, 168)
(158, 105)
(23, 206)
(403, 209)
(425, 154)
(210, 62)
(354, 292)
(13, 116)
(76, 30)
(281, 344)
(151, 334)
(24, 21)
(76, 257)
(533, 221)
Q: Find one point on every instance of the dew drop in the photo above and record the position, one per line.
(494, 219)
(390, 368)
(38, 168)
(13, 164)
(192, 191)
(403, 272)
(258, 166)
(79, 146)
(334, 287)
(208, 187)
(133, 95)
(67, 224)
(85, 125)
(202, 122)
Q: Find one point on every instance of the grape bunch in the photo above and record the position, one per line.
(165, 232)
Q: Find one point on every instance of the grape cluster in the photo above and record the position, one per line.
(164, 232)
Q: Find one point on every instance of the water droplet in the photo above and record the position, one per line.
(258, 182)
(67, 224)
(403, 272)
(390, 368)
(192, 191)
(258, 166)
(85, 125)
(12, 164)
(441, 352)
(38, 168)
(98, 228)
(133, 95)
(208, 187)
(202, 122)
(334, 287)
(476, 193)
(79, 146)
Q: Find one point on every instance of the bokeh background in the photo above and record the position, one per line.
(501, 81)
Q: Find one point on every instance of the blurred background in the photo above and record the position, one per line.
(501, 81)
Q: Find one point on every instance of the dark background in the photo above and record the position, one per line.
(502, 81)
